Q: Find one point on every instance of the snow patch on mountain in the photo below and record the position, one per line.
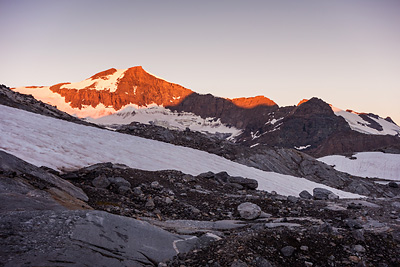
(357, 123)
(45, 141)
(150, 114)
(158, 115)
(302, 147)
(45, 95)
(367, 164)
(109, 82)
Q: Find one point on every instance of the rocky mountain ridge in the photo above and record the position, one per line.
(312, 126)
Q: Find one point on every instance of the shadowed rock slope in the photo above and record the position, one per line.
(14, 99)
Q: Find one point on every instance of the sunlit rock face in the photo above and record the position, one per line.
(117, 88)
(251, 102)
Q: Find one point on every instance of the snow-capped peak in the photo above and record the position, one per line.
(109, 91)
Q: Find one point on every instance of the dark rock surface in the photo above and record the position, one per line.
(11, 165)
(314, 124)
(348, 142)
(323, 194)
(307, 124)
(207, 106)
(85, 238)
(305, 194)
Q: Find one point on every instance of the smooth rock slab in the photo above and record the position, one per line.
(85, 238)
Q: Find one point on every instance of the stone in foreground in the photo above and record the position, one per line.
(249, 211)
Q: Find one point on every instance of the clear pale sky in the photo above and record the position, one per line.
(346, 52)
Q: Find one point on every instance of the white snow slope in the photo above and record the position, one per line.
(166, 118)
(358, 124)
(44, 94)
(62, 145)
(368, 164)
(108, 82)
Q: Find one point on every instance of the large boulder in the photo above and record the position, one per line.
(305, 194)
(323, 194)
(245, 182)
(101, 182)
(249, 211)
(119, 181)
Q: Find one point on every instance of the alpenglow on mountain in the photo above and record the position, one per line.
(115, 97)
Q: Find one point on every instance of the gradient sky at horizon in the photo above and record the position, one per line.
(346, 52)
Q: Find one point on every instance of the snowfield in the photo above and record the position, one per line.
(164, 117)
(368, 164)
(358, 124)
(45, 95)
(108, 82)
(62, 145)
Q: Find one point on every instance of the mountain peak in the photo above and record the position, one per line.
(313, 106)
(116, 88)
(302, 101)
(251, 102)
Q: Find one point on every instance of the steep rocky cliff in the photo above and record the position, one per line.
(241, 113)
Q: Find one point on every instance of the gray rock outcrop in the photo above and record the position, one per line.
(49, 238)
(10, 163)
